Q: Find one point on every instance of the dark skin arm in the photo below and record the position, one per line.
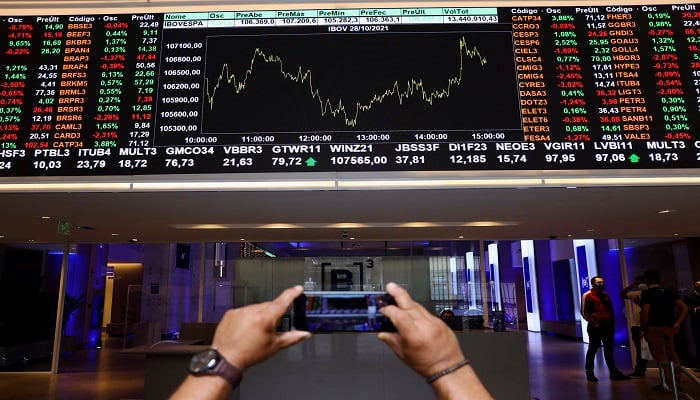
(428, 346)
(625, 290)
(245, 336)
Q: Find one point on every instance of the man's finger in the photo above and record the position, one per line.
(285, 299)
(406, 303)
(401, 319)
(291, 338)
(400, 295)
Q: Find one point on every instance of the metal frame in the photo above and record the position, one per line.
(677, 393)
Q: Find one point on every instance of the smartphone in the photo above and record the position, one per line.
(341, 312)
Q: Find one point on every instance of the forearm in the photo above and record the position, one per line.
(644, 316)
(682, 312)
(462, 384)
(203, 388)
(625, 290)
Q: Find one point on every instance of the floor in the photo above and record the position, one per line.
(556, 372)
(96, 374)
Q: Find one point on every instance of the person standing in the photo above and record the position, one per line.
(660, 322)
(633, 293)
(596, 308)
(692, 300)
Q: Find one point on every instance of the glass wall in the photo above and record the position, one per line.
(29, 295)
(144, 293)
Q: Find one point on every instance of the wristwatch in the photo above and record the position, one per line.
(211, 362)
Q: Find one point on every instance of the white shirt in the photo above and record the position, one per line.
(635, 296)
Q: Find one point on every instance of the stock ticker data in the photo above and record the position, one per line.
(368, 89)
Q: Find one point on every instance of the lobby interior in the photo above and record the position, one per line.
(631, 219)
(554, 360)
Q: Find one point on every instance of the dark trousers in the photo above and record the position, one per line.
(696, 333)
(604, 334)
(640, 364)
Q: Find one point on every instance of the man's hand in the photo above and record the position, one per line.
(248, 335)
(423, 341)
(429, 346)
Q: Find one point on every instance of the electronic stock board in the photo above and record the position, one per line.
(605, 86)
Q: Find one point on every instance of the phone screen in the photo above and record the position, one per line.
(342, 312)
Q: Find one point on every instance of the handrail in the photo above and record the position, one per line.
(674, 385)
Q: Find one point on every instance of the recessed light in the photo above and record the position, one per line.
(417, 224)
(115, 234)
(45, 217)
(461, 237)
(590, 230)
(204, 226)
(279, 226)
(347, 225)
(242, 239)
(665, 211)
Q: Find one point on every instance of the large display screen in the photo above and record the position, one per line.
(365, 89)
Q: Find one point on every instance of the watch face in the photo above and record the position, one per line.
(204, 361)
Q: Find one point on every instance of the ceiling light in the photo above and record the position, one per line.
(437, 183)
(45, 217)
(239, 185)
(490, 223)
(353, 181)
(417, 225)
(65, 187)
(347, 225)
(207, 226)
(665, 211)
(621, 181)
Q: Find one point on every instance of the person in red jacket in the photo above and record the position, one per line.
(596, 308)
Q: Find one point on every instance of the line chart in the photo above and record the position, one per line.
(454, 81)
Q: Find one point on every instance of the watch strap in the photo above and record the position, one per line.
(211, 362)
(227, 371)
